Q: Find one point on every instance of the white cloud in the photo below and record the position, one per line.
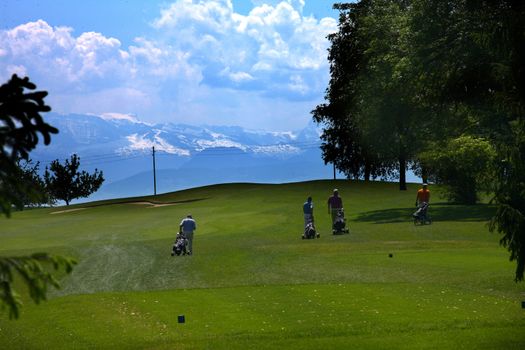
(237, 77)
(37, 38)
(297, 84)
(55, 56)
(271, 38)
(204, 63)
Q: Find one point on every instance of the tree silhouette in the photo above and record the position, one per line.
(66, 182)
(34, 192)
(20, 126)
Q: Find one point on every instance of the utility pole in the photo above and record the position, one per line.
(334, 173)
(154, 174)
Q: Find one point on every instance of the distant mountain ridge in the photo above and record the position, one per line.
(186, 155)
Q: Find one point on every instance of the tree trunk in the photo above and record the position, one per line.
(424, 174)
(402, 174)
(368, 170)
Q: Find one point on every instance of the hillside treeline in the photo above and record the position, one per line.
(437, 87)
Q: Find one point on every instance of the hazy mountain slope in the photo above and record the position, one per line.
(186, 155)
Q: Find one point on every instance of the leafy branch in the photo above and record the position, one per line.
(36, 277)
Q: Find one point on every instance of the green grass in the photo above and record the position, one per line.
(253, 283)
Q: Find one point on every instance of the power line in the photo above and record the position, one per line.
(114, 160)
(103, 159)
(215, 151)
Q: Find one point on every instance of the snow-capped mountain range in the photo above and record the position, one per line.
(185, 155)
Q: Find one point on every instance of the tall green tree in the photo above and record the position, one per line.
(413, 74)
(20, 127)
(372, 117)
(65, 181)
(34, 191)
(475, 63)
(20, 124)
(463, 165)
(389, 115)
(343, 142)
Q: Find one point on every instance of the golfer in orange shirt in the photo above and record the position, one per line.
(423, 195)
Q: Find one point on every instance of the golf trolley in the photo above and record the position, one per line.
(339, 224)
(421, 216)
(310, 232)
(180, 245)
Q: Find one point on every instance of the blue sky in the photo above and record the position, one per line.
(260, 64)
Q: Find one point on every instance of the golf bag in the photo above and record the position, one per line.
(180, 244)
(339, 224)
(309, 231)
(421, 215)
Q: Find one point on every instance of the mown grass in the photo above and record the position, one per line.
(253, 283)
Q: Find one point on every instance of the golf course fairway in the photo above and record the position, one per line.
(253, 283)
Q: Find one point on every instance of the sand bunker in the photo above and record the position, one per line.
(67, 211)
(152, 205)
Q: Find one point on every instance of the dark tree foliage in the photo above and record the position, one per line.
(65, 182)
(20, 126)
(475, 54)
(389, 114)
(510, 195)
(34, 275)
(372, 122)
(463, 166)
(343, 143)
(410, 75)
(30, 188)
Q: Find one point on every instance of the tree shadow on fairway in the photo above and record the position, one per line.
(438, 212)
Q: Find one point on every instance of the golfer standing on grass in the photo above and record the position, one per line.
(423, 195)
(335, 203)
(308, 211)
(187, 226)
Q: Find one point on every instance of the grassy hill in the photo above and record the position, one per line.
(253, 283)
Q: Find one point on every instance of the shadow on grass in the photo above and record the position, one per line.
(438, 212)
